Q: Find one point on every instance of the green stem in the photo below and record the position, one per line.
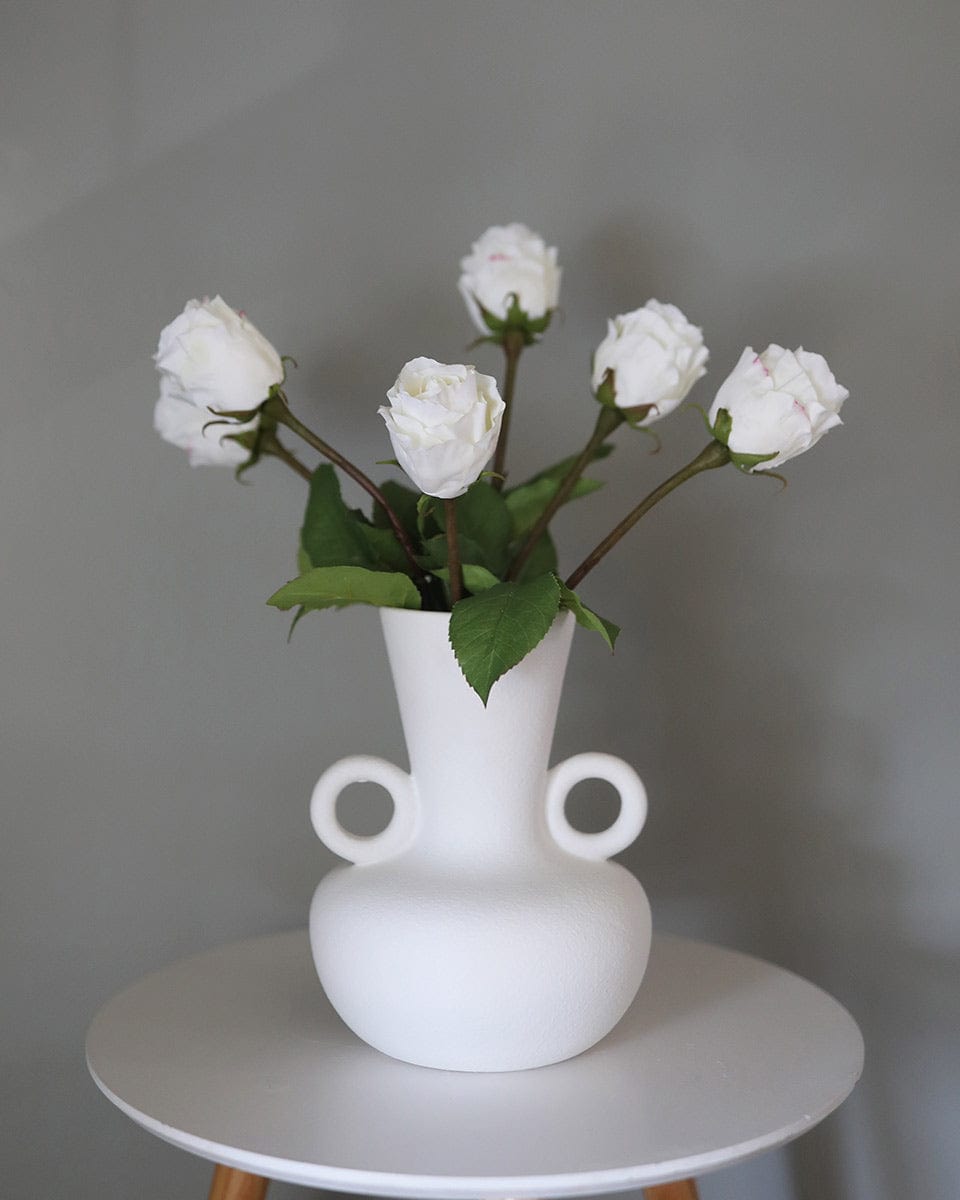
(607, 421)
(284, 416)
(715, 454)
(512, 349)
(453, 552)
(278, 450)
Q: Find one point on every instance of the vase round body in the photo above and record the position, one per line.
(479, 931)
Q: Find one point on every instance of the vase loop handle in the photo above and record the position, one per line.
(365, 768)
(633, 804)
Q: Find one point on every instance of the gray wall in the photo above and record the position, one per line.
(787, 678)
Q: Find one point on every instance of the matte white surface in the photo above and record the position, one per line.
(235, 1055)
(788, 675)
(479, 931)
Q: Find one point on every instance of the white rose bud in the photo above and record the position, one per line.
(182, 423)
(656, 357)
(779, 403)
(443, 422)
(510, 260)
(212, 360)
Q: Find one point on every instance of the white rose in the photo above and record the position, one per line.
(656, 357)
(443, 422)
(182, 423)
(780, 402)
(510, 259)
(216, 359)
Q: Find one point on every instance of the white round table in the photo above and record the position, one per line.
(235, 1055)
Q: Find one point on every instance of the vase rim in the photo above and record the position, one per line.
(423, 615)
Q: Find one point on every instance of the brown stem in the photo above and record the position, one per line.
(285, 417)
(454, 568)
(512, 348)
(607, 421)
(715, 454)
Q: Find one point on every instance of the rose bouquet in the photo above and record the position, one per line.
(467, 539)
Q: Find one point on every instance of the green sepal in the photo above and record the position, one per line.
(429, 513)
(586, 617)
(515, 321)
(746, 463)
(606, 393)
(721, 432)
(637, 415)
(251, 442)
(257, 441)
(492, 632)
(494, 323)
(336, 587)
(722, 426)
(222, 416)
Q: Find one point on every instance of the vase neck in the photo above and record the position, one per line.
(480, 772)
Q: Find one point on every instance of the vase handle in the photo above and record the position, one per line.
(365, 768)
(630, 819)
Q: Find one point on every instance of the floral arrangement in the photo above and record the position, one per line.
(468, 540)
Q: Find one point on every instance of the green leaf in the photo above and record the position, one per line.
(492, 632)
(335, 587)
(294, 623)
(384, 549)
(587, 617)
(331, 534)
(478, 579)
(484, 520)
(475, 579)
(435, 551)
(542, 560)
(559, 470)
(403, 501)
(527, 500)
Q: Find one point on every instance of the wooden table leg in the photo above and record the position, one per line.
(231, 1184)
(683, 1189)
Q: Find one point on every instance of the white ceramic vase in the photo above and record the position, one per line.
(479, 931)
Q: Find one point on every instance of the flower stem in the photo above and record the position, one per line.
(715, 454)
(284, 416)
(453, 552)
(512, 349)
(607, 421)
(278, 450)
